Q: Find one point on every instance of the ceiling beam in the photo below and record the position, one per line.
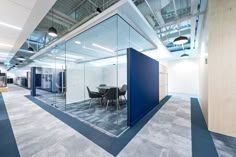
(176, 34)
(179, 21)
(194, 5)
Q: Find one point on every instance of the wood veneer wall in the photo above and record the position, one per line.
(222, 66)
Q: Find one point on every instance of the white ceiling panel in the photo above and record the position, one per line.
(23, 14)
(13, 13)
(25, 3)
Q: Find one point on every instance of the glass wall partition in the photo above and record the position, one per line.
(50, 77)
(89, 74)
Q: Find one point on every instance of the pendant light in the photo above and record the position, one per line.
(52, 31)
(184, 55)
(30, 49)
(180, 39)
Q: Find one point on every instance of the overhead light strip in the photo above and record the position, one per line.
(102, 47)
(10, 26)
(88, 48)
(6, 45)
(72, 56)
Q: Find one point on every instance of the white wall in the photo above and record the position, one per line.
(183, 76)
(110, 75)
(79, 76)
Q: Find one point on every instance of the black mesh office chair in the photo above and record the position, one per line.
(112, 94)
(123, 90)
(93, 95)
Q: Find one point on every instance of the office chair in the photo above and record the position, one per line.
(112, 94)
(102, 91)
(93, 95)
(122, 91)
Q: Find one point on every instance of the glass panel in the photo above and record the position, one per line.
(93, 88)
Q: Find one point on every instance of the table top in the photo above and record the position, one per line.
(105, 87)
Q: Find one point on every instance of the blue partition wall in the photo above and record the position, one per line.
(143, 85)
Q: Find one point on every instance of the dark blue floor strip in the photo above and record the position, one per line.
(110, 144)
(202, 142)
(8, 146)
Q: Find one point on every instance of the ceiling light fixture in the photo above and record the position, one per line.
(20, 58)
(62, 58)
(99, 10)
(52, 31)
(78, 42)
(6, 45)
(180, 39)
(30, 49)
(72, 56)
(101, 47)
(10, 26)
(88, 48)
(184, 55)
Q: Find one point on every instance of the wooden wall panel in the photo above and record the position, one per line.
(163, 82)
(222, 67)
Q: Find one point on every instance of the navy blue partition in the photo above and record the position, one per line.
(143, 85)
(33, 81)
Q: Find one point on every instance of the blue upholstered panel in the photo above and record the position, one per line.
(143, 85)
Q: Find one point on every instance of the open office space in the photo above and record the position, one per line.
(117, 78)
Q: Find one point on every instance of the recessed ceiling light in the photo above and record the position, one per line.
(6, 45)
(10, 26)
(78, 42)
(102, 47)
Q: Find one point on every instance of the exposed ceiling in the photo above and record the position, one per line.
(65, 16)
(18, 18)
(172, 18)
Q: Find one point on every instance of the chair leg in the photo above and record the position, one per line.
(125, 97)
(117, 104)
(107, 104)
(90, 103)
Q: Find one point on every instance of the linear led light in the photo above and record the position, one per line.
(72, 56)
(101, 47)
(88, 48)
(5, 45)
(78, 42)
(65, 59)
(10, 26)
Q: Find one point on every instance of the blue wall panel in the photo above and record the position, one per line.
(33, 81)
(143, 85)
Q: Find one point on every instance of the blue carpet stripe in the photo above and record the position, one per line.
(8, 146)
(202, 143)
(110, 144)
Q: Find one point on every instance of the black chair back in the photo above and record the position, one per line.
(89, 92)
(123, 89)
(112, 94)
(102, 85)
